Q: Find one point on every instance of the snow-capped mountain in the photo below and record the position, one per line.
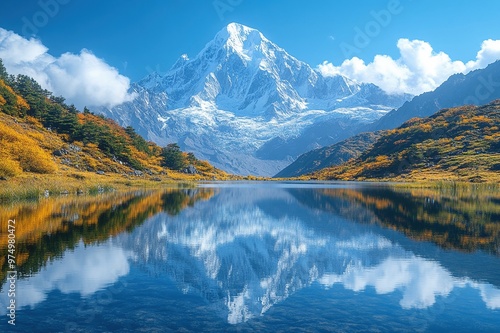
(249, 107)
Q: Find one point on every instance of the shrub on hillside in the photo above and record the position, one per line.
(24, 151)
(9, 168)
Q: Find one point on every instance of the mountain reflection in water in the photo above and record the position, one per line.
(245, 249)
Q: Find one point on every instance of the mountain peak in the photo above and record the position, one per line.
(239, 30)
(248, 106)
(240, 38)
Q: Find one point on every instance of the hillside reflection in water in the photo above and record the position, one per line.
(243, 253)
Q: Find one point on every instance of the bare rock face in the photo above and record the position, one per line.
(190, 169)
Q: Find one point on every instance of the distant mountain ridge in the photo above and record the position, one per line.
(477, 88)
(453, 144)
(242, 96)
(335, 154)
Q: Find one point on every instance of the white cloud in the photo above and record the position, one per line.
(421, 281)
(83, 79)
(490, 52)
(490, 295)
(84, 270)
(86, 79)
(418, 69)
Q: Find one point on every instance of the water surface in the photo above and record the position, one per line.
(258, 257)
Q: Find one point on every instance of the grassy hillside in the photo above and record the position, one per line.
(335, 154)
(454, 144)
(47, 142)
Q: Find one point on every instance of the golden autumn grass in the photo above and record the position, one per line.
(29, 168)
(48, 147)
(20, 152)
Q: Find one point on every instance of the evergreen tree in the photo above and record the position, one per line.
(34, 94)
(8, 101)
(3, 72)
(191, 158)
(172, 157)
(138, 141)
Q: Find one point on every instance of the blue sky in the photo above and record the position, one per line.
(136, 37)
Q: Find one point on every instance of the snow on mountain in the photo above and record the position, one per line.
(240, 96)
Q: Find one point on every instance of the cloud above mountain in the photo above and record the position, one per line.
(418, 69)
(83, 79)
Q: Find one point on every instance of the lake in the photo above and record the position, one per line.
(257, 257)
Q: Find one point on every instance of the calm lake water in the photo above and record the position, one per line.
(257, 257)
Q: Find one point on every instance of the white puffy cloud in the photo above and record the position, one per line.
(84, 270)
(490, 52)
(83, 79)
(418, 69)
(490, 295)
(421, 281)
(86, 79)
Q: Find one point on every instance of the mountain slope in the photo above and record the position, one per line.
(40, 134)
(242, 95)
(335, 154)
(454, 144)
(473, 88)
(478, 87)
